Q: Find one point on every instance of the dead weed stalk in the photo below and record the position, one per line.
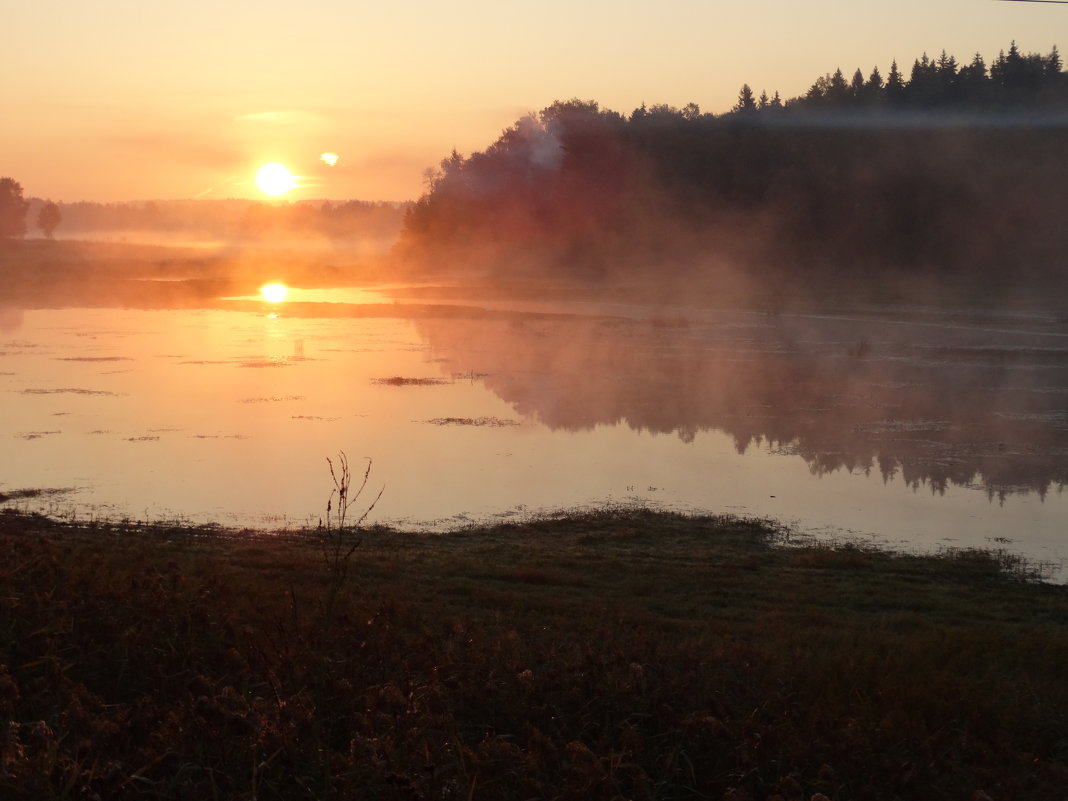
(337, 535)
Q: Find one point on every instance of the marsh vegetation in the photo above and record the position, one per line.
(610, 655)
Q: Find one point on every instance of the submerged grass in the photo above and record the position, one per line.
(592, 656)
(401, 381)
(478, 422)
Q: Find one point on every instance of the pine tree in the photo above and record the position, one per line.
(875, 80)
(946, 65)
(856, 86)
(838, 91)
(972, 80)
(746, 102)
(1053, 62)
(895, 85)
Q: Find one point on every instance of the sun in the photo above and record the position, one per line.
(275, 179)
(274, 293)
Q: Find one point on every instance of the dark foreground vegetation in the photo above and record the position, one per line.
(598, 656)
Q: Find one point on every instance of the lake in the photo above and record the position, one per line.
(909, 428)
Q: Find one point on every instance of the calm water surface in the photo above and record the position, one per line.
(897, 427)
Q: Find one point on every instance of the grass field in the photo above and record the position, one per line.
(616, 655)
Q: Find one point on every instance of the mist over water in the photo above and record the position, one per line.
(908, 427)
(972, 401)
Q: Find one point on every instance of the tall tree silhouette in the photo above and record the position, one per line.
(12, 209)
(746, 101)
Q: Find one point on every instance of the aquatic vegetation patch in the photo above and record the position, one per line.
(69, 391)
(493, 422)
(144, 438)
(902, 426)
(273, 399)
(400, 381)
(260, 363)
(93, 359)
(37, 492)
(36, 434)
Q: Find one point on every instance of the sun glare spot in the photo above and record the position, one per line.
(329, 158)
(274, 293)
(275, 179)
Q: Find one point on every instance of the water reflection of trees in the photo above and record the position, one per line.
(935, 408)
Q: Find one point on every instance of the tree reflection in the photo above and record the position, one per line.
(927, 404)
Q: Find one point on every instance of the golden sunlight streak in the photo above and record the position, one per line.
(275, 179)
(274, 293)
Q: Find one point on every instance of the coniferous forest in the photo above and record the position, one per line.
(950, 170)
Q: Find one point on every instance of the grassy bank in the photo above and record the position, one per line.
(612, 655)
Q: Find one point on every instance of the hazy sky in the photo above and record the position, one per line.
(126, 99)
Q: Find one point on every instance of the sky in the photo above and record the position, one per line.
(121, 100)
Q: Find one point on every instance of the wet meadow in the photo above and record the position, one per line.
(603, 655)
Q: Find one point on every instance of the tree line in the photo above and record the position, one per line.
(950, 169)
(240, 219)
(224, 219)
(1013, 80)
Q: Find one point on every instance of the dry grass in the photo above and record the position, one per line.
(599, 656)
